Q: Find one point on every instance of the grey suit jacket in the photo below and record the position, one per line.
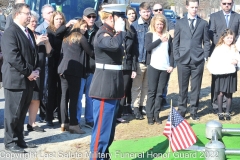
(217, 24)
(191, 46)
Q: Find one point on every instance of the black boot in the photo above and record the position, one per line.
(137, 113)
(142, 110)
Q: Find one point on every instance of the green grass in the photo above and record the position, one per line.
(156, 148)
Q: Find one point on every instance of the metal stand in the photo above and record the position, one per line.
(215, 150)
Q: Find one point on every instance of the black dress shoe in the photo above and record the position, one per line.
(15, 149)
(194, 117)
(36, 128)
(159, 122)
(139, 116)
(150, 121)
(49, 123)
(26, 145)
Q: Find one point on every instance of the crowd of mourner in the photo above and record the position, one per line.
(122, 62)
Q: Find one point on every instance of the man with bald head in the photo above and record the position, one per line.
(9, 20)
(47, 11)
(158, 9)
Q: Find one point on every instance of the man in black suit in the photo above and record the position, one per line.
(191, 32)
(219, 21)
(19, 71)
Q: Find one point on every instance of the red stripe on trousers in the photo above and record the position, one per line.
(99, 129)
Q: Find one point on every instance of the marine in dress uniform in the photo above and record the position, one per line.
(107, 84)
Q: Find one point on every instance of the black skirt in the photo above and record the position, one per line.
(226, 83)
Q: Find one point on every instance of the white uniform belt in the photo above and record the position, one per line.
(108, 66)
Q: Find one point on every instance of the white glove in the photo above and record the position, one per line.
(119, 25)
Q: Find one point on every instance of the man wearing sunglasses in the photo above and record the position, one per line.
(158, 9)
(219, 21)
(89, 15)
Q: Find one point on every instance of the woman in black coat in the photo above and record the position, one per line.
(71, 70)
(158, 44)
(128, 68)
(44, 49)
(52, 96)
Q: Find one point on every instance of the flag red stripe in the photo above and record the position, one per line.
(180, 137)
(183, 135)
(174, 143)
(186, 136)
(98, 130)
(192, 136)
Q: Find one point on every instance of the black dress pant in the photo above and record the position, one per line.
(17, 102)
(129, 92)
(54, 93)
(70, 90)
(194, 72)
(126, 80)
(157, 80)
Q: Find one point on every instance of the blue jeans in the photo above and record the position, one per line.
(85, 85)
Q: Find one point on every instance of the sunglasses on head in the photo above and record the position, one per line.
(160, 9)
(227, 4)
(91, 17)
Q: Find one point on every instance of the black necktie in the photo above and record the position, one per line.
(191, 24)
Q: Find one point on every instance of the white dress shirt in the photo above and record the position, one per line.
(195, 21)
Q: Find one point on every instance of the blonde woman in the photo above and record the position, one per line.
(158, 44)
(71, 70)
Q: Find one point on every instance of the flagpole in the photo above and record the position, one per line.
(170, 138)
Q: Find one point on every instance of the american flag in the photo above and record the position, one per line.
(180, 133)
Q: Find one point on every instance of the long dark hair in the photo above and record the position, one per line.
(129, 9)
